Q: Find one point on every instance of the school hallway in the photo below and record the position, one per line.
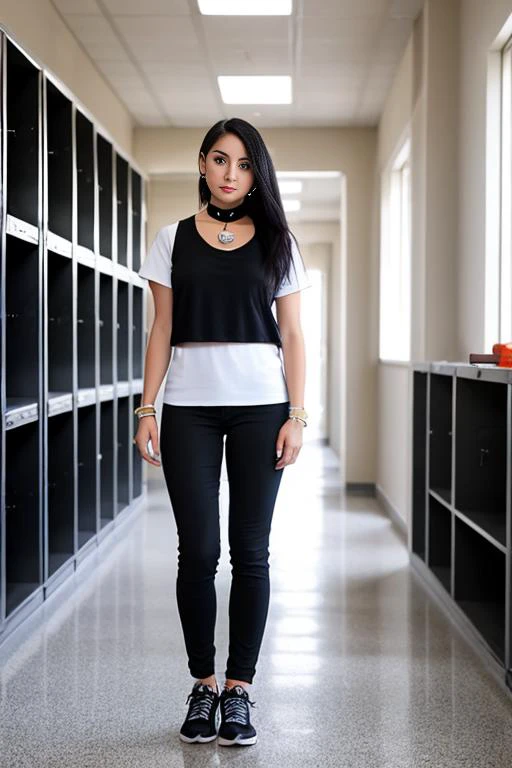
(358, 666)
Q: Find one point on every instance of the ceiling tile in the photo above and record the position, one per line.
(266, 60)
(82, 7)
(224, 32)
(152, 38)
(97, 36)
(148, 7)
(349, 9)
(353, 32)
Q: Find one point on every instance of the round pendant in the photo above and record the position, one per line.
(225, 236)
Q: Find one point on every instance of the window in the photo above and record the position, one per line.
(395, 259)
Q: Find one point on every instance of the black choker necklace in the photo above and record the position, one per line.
(226, 214)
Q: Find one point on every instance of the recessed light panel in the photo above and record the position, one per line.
(290, 187)
(291, 204)
(245, 7)
(255, 89)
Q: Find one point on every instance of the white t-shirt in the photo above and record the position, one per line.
(221, 373)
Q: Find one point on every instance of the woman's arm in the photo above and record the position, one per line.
(158, 355)
(294, 354)
(289, 441)
(158, 351)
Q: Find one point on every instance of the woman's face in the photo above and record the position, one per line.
(228, 170)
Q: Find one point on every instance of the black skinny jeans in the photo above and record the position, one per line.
(191, 448)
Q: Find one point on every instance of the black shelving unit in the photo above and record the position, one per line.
(86, 325)
(22, 89)
(22, 322)
(87, 475)
(122, 330)
(59, 303)
(59, 161)
(104, 154)
(72, 336)
(123, 452)
(22, 518)
(122, 209)
(461, 498)
(85, 180)
(106, 310)
(61, 480)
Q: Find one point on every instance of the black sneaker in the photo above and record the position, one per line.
(235, 727)
(202, 720)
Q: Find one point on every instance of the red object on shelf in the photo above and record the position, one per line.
(504, 352)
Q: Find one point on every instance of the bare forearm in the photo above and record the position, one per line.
(294, 357)
(158, 355)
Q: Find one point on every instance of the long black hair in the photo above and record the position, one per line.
(264, 206)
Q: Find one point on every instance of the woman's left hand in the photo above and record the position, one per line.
(289, 443)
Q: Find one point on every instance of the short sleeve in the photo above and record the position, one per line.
(298, 276)
(158, 262)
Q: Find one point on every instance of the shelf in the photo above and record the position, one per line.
(85, 180)
(19, 411)
(104, 151)
(440, 542)
(23, 302)
(122, 210)
(86, 327)
(106, 329)
(59, 159)
(481, 429)
(122, 331)
(440, 435)
(22, 515)
(107, 462)
(73, 218)
(60, 323)
(87, 474)
(60, 491)
(123, 453)
(136, 219)
(23, 136)
(480, 585)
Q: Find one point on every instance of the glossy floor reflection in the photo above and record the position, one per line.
(358, 667)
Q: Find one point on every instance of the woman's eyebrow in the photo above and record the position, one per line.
(226, 154)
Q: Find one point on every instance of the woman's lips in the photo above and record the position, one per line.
(228, 189)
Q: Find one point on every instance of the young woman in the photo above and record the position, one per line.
(214, 277)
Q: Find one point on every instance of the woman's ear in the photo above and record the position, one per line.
(202, 163)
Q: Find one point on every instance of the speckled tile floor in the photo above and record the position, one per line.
(358, 666)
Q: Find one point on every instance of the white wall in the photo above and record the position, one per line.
(439, 92)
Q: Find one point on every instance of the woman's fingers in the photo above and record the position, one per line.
(154, 440)
(142, 440)
(289, 456)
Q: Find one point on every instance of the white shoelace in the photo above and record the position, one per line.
(237, 710)
(201, 704)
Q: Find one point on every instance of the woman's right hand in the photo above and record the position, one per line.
(147, 430)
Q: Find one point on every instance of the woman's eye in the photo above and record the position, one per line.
(219, 158)
(245, 166)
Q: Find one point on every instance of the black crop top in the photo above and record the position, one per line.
(219, 295)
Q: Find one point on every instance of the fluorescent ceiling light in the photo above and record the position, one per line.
(255, 89)
(245, 7)
(290, 187)
(307, 174)
(291, 204)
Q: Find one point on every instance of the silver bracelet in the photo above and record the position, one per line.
(297, 418)
(141, 415)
